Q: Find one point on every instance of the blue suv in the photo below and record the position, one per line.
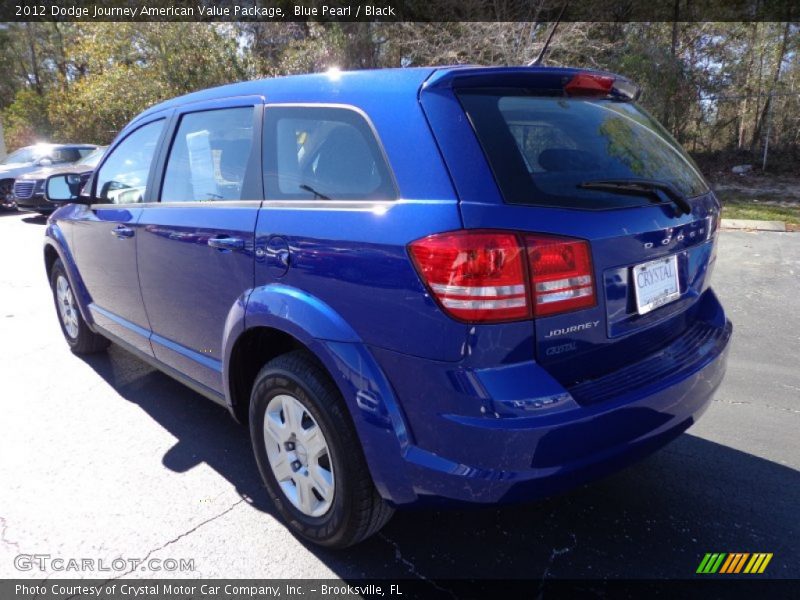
(471, 284)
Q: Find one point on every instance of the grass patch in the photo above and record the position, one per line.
(736, 210)
(739, 206)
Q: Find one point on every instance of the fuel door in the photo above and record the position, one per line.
(274, 253)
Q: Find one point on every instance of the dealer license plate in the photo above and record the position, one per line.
(656, 283)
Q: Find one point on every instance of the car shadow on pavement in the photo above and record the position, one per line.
(205, 431)
(655, 519)
(35, 220)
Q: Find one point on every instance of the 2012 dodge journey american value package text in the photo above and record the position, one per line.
(470, 284)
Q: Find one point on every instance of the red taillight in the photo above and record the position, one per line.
(561, 274)
(482, 276)
(589, 84)
(595, 84)
(475, 275)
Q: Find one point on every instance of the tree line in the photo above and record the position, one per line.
(719, 88)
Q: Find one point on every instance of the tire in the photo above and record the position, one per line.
(80, 338)
(352, 510)
(7, 194)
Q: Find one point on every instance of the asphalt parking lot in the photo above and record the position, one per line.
(105, 457)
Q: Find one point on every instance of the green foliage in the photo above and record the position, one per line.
(95, 108)
(708, 83)
(25, 119)
(99, 76)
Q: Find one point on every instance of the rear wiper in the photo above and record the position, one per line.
(640, 187)
(308, 188)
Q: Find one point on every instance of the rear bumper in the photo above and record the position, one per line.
(558, 444)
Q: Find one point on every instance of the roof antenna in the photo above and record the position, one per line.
(536, 61)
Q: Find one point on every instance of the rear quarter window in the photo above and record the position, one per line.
(541, 148)
(323, 153)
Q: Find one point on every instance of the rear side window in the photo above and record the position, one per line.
(323, 153)
(209, 155)
(542, 148)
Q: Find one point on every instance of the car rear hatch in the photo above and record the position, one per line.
(567, 153)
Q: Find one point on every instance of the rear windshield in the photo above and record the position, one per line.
(23, 155)
(542, 148)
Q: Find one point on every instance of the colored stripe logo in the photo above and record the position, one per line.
(734, 562)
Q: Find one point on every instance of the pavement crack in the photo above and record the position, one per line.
(758, 404)
(411, 567)
(554, 554)
(8, 542)
(39, 586)
(182, 535)
(173, 540)
(3, 538)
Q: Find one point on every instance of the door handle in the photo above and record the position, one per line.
(122, 232)
(226, 243)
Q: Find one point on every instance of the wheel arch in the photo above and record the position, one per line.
(266, 322)
(50, 258)
(252, 350)
(277, 319)
(55, 248)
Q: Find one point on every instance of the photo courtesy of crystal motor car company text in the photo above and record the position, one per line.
(469, 284)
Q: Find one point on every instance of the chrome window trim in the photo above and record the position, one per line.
(195, 203)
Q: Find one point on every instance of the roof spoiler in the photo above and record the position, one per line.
(549, 81)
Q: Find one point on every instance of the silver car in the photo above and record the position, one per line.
(29, 188)
(31, 158)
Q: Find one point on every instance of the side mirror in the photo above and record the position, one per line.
(44, 162)
(63, 187)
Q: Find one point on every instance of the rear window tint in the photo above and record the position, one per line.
(541, 148)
